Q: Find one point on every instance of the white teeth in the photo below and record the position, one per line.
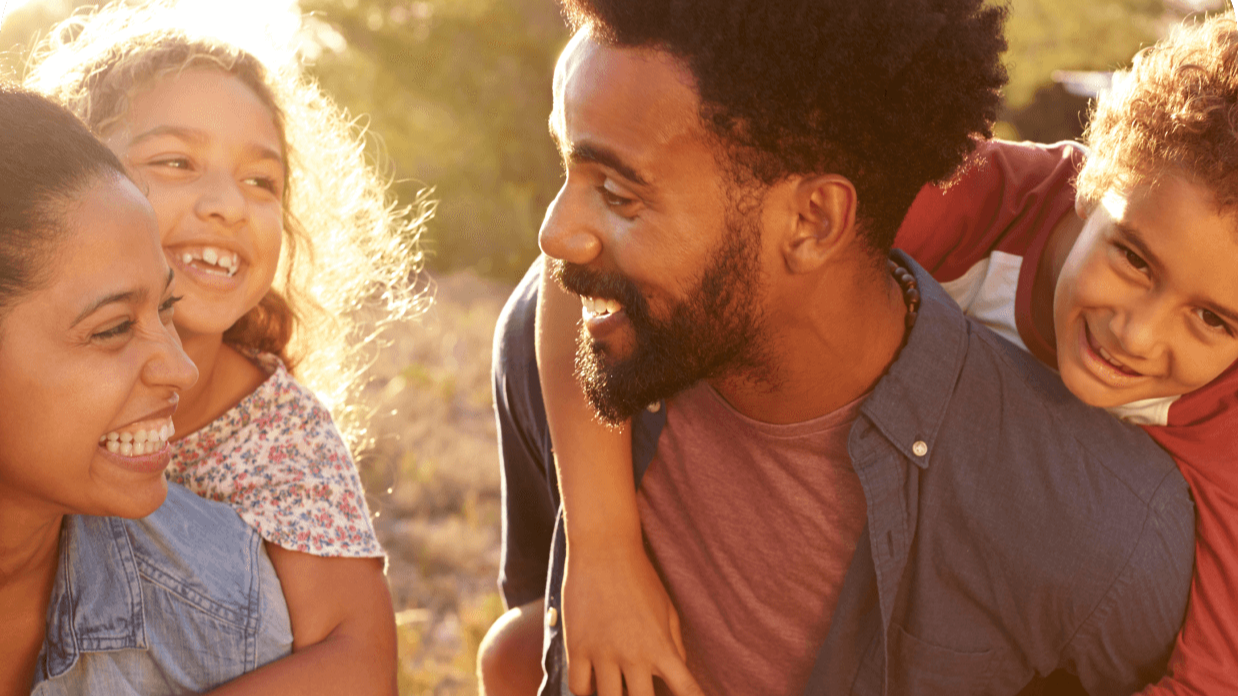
(595, 306)
(187, 258)
(613, 306)
(138, 442)
(209, 255)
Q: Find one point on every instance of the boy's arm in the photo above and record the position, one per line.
(343, 629)
(619, 624)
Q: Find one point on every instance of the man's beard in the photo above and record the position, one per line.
(715, 331)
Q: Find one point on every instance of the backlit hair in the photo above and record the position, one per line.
(1174, 111)
(350, 255)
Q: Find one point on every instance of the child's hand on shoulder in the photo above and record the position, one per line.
(620, 627)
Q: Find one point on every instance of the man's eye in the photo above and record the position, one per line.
(613, 199)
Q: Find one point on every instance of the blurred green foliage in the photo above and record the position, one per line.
(457, 93)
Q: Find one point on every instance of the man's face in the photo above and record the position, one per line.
(667, 269)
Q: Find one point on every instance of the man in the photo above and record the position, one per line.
(846, 486)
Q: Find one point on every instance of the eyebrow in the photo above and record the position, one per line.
(597, 154)
(197, 137)
(124, 297)
(1133, 237)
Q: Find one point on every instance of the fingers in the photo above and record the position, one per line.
(676, 634)
(609, 680)
(679, 679)
(579, 676)
(639, 682)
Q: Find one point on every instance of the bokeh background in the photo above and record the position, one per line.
(455, 94)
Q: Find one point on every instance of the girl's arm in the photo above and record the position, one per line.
(619, 624)
(343, 629)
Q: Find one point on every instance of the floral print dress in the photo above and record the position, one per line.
(278, 460)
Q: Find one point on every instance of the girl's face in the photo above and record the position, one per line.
(210, 157)
(1147, 302)
(90, 365)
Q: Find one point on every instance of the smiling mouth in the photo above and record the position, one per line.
(1106, 357)
(211, 260)
(597, 307)
(139, 439)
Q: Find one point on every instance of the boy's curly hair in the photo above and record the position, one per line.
(1174, 110)
(891, 94)
(350, 255)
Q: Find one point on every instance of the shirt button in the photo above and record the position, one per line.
(654, 407)
(920, 448)
(552, 617)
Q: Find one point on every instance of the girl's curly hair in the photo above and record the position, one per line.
(1174, 110)
(350, 255)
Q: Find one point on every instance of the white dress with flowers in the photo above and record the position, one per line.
(279, 461)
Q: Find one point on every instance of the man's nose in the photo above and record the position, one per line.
(567, 232)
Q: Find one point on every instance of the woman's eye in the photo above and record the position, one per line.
(168, 308)
(116, 331)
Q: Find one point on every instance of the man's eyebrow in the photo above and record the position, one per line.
(1134, 238)
(587, 152)
(127, 296)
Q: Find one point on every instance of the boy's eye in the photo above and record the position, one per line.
(1135, 260)
(1213, 321)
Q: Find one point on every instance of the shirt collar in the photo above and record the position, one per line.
(96, 603)
(909, 403)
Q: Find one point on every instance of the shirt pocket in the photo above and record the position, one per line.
(919, 668)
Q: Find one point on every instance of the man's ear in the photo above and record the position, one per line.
(825, 222)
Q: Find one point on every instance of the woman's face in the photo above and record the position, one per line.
(90, 358)
(208, 153)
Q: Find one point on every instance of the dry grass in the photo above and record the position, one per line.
(433, 479)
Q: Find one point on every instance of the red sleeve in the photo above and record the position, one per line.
(1202, 435)
(1012, 194)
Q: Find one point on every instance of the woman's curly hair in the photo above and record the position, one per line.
(350, 255)
(891, 94)
(1174, 110)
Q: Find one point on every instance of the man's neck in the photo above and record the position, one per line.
(829, 346)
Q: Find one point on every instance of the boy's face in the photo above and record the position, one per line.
(1146, 304)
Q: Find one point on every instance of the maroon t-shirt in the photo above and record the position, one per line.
(752, 527)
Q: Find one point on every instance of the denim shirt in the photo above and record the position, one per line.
(1012, 531)
(180, 601)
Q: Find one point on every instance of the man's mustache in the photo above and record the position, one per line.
(610, 285)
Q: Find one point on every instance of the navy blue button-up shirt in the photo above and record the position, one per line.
(1012, 531)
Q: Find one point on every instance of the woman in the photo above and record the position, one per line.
(90, 368)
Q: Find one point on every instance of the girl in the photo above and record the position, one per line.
(89, 357)
(283, 236)
(1134, 302)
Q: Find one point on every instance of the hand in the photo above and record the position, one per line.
(619, 624)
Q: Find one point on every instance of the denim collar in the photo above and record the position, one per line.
(96, 604)
(909, 403)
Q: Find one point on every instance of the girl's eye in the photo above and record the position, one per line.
(263, 182)
(1135, 260)
(173, 163)
(116, 331)
(1213, 321)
